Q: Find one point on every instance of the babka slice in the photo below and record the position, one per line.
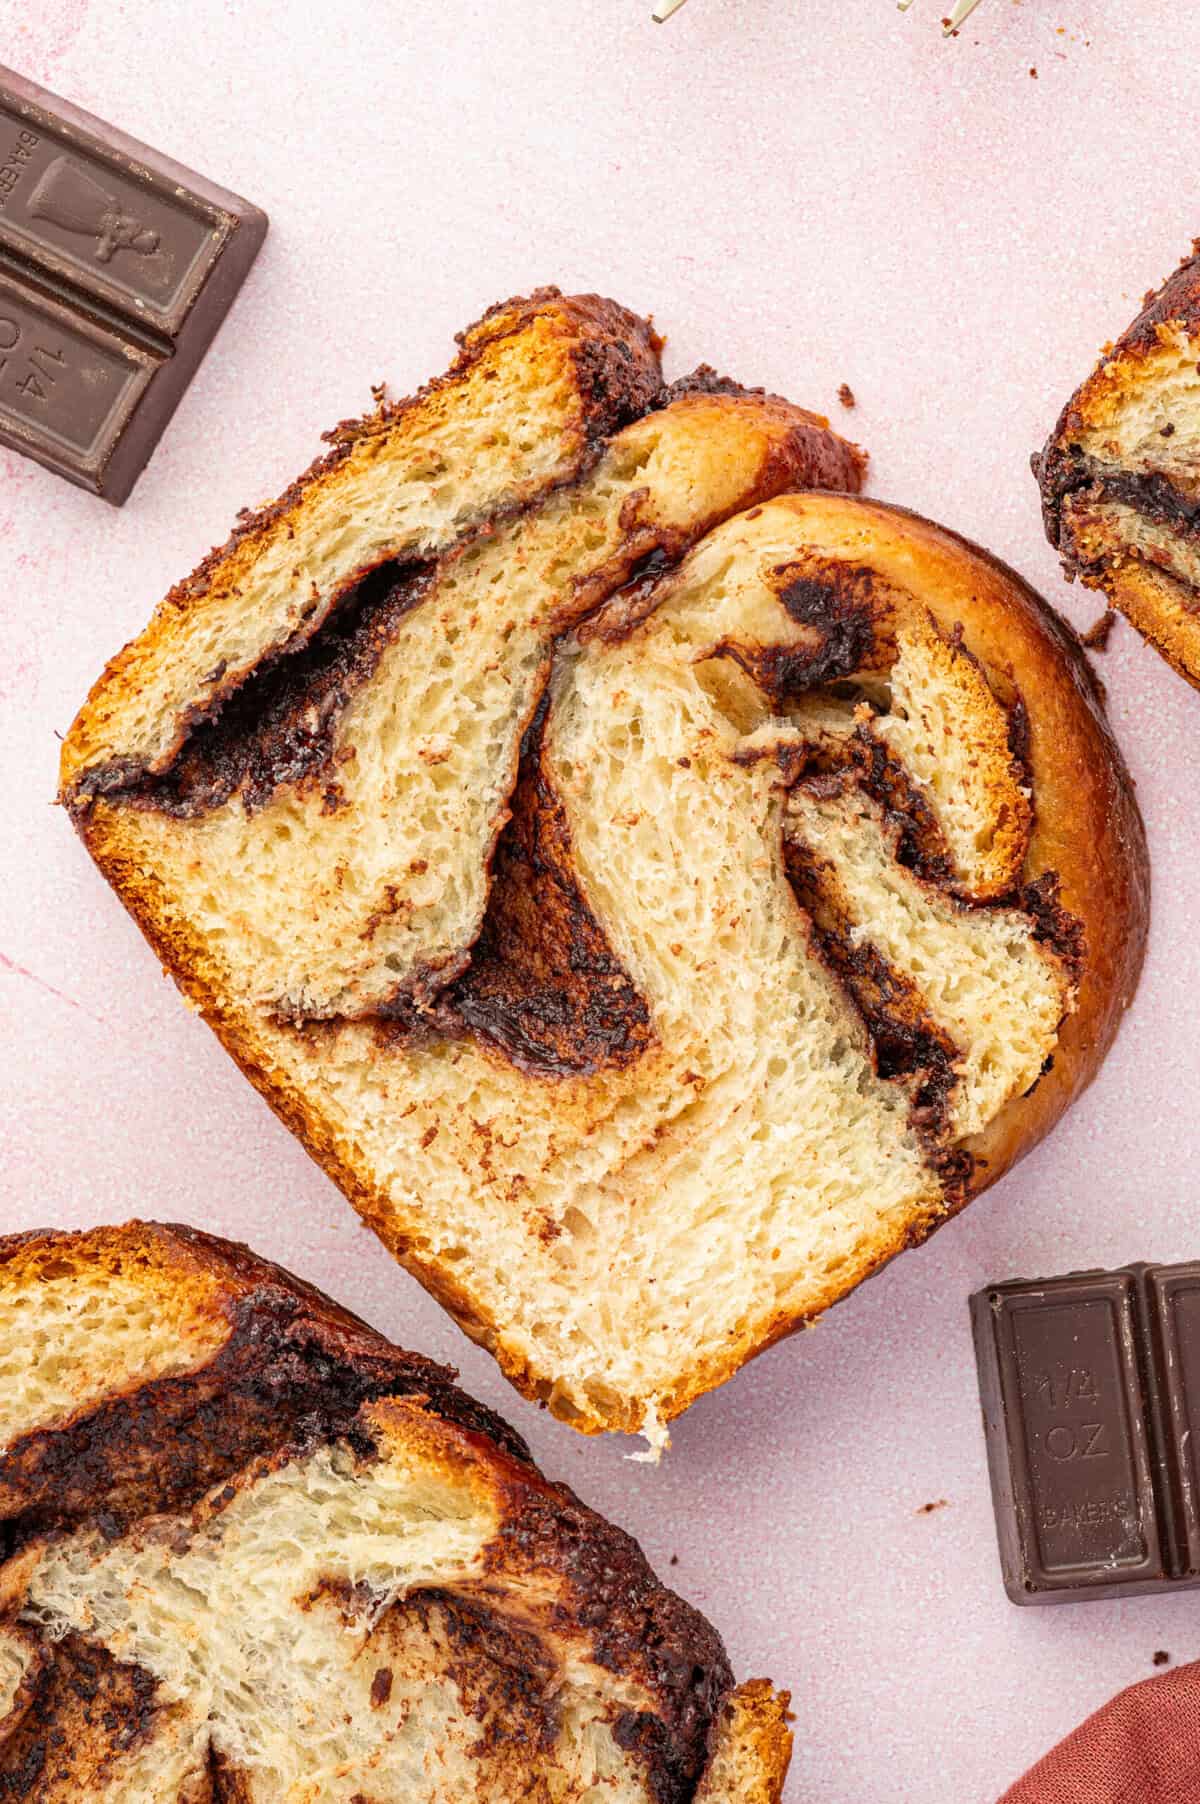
(658, 909)
(1120, 474)
(252, 1553)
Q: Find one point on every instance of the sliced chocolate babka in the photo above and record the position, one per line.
(656, 907)
(1120, 474)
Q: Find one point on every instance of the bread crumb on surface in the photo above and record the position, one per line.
(846, 395)
(1098, 634)
(1162, 1657)
(927, 1509)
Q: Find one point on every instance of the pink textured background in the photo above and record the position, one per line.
(806, 194)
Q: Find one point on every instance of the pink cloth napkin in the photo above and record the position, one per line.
(1142, 1748)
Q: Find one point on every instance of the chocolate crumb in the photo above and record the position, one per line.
(1162, 1657)
(674, 1559)
(1034, 74)
(846, 395)
(1098, 634)
(939, 1503)
(1167, 431)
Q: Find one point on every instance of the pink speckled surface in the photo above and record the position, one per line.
(807, 194)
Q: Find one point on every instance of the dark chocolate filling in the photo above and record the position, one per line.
(276, 1382)
(838, 601)
(920, 843)
(906, 1042)
(1069, 472)
(279, 726)
(543, 985)
(1152, 494)
(505, 1677)
(636, 1626)
(1053, 926)
(231, 1785)
(85, 1710)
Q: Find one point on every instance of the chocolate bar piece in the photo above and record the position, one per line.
(1090, 1387)
(117, 267)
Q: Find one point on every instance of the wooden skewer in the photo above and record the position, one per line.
(960, 14)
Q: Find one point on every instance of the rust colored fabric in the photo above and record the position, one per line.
(1142, 1748)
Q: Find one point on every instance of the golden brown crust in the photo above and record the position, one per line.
(1155, 602)
(753, 1748)
(1163, 611)
(1118, 375)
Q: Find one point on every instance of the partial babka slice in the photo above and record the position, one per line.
(1120, 474)
(537, 387)
(821, 897)
(251, 1553)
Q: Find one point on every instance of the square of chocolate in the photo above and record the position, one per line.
(1089, 1384)
(70, 388)
(117, 266)
(1173, 1306)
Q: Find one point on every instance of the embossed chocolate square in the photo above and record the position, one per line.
(117, 266)
(1090, 1384)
